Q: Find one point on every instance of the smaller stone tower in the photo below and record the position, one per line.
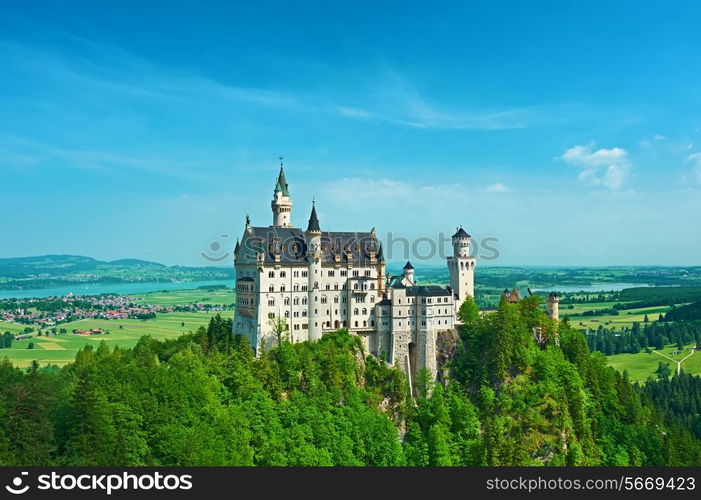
(552, 306)
(282, 202)
(313, 240)
(462, 267)
(408, 274)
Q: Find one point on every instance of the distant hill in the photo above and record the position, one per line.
(45, 271)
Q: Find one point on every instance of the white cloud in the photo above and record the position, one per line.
(609, 168)
(498, 188)
(695, 160)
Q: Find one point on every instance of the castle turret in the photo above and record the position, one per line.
(282, 203)
(552, 306)
(313, 239)
(408, 274)
(462, 267)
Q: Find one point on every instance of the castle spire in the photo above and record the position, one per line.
(281, 184)
(313, 220)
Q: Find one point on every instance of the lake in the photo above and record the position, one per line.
(115, 288)
(594, 287)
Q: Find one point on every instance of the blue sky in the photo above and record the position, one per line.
(569, 131)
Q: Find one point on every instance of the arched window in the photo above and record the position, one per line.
(365, 311)
(304, 300)
(282, 288)
(296, 301)
(355, 311)
(271, 288)
(271, 274)
(287, 301)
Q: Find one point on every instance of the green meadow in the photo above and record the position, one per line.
(184, 297)
(61, 349)
(624, 319)
(643, 365)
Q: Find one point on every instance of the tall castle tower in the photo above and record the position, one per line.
(462, 267)
(552, 306)
(313, 240)
(282, 203)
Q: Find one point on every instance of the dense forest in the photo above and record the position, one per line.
(653, 335)
(689, 312)
(680, 396)
(524, 390)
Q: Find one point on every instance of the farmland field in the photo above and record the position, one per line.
(642, 365)
(62, 349)
(624, 319)
(182, 297)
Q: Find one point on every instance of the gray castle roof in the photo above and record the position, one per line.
(408, 265)
(461, 233)
(290, 244)
(428, 291)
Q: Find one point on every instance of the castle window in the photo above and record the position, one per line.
(372, 298)
(356, 324)
(344, 300)
(335, 286)
(356, 273)
(282, 288)
(367, 272)
(295, 287)
(271, 302)
(328, 286)
(304, 313)
(271, 288)
(344, 272)
(365, 323)
(271, 274)
(323, 299)
(365, 311)
(271, 315)
(295, 314)
(287, 301)
(372, 286)
(296, 301)
(295, 274)
(304, 288)
(335, 299)
(283, 274)
(287, 314)
(305, 274)
(372, 323)
(332, 274)
(304, 301)
(355, 286)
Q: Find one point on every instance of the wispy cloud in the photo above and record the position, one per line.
(609, 168)
(695, 173)
(498, 188)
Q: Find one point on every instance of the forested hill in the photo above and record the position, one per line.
(203, 399)
(56, 270)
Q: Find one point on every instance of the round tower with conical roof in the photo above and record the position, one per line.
(282, 202)
(314, 256)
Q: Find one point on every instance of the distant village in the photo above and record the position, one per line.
(52, 311)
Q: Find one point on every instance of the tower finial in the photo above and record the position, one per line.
(280, 161)
(248, 220)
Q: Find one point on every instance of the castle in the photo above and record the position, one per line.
(315, 281)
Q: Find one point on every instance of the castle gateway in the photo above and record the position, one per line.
(316, 281)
